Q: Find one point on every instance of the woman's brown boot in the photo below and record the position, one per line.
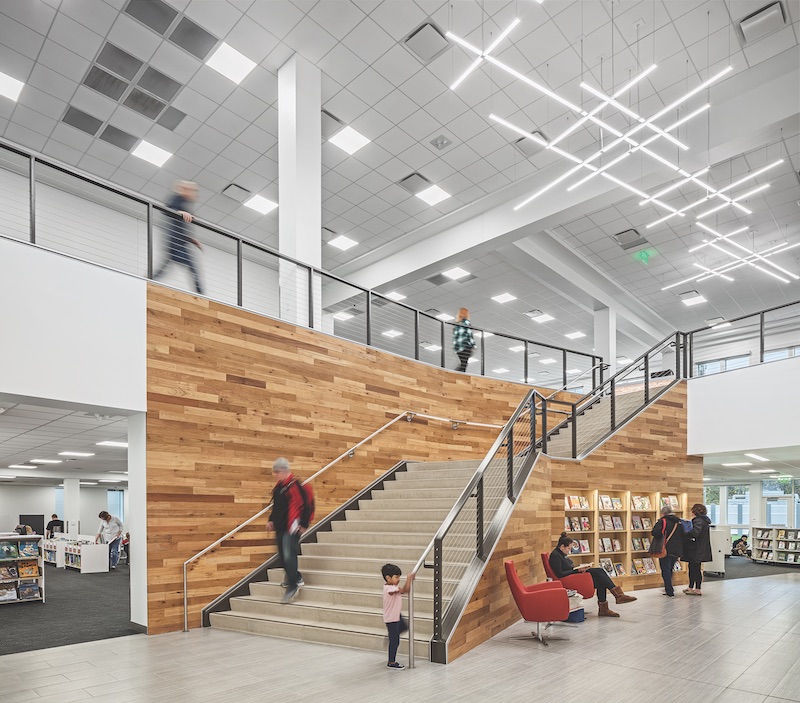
(605, 611)
(620, 596)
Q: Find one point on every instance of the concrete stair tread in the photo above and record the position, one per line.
(338, 606)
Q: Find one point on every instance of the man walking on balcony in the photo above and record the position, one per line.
(177, 235)
(292, 511)
(463, 341)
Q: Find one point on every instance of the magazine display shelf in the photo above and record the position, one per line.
(86, 558)
(619, 528)
(16, 554)
(776, 545)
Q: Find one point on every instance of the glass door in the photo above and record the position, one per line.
(777, 512)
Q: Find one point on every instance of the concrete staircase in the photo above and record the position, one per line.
(341, 602)
(595, 422)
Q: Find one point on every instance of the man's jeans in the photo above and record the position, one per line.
(288, 547)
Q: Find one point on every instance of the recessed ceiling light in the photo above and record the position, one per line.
(75, 454)
(117, 472)
(349, 140)
(23, 466)
(431, 347)
(783, 476)
(756, 457)
(484, 335)
(109, 443)
(392, 333)
(342, 316)
(504, 298)
(150, 152)
(706, 479)
(547, 361)
(110, 480)
(230, 63)
(740, 463)
(433, 195)
(342, 242)
(518, 348)
(574, 335)
(45, 461)
(10, 87)
(260, 204)
(762, 471)
(444, 317)
(455, 273)
(691, 297)
(539, 316)
(7, 477)
(473, 360)
(624, 360)
(394, 295)
(721, 325)
(500, 370)
(88, 483)
(573, 370)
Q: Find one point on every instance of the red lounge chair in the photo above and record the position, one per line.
(541, 603)
(582, 583)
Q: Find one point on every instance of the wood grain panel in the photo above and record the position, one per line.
(646, 456)
(229, 391)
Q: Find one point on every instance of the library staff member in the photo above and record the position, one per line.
(111, 531)
(55, 525)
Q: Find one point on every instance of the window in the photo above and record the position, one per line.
(776, 486)
(711, 499)
(738, 505)
(706, 368)
(776, 354)
(116, 503)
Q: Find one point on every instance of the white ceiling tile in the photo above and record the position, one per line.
(215, 17)
(446, 107)
(460, 157)
(15, 64)
(35, 120)
(423, 87)
(251, 39)
(370, 86)
(369, 40)
(130, 121)
(310, 40)
(196, 153)
(397, 65)
(339, 17)
(396, 106)
(342, 64)
(419, 125)
(175, 62)
(93, 103)
(346, 106)
(226, 122)
(277, 17)
(134, 38)
(398, 18)
(261, 83)
(372, 124)
(212, 85)
(42, 102)
(33, 13)
(93, 165)
(468, 125)
(74, 36)
(26, 137)
(776, 43)
(20, 38)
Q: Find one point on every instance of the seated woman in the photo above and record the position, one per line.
(740, 547)
(562, 565)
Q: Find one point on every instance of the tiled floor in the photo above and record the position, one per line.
(738, 643)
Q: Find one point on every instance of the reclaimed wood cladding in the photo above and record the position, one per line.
(647, 455)
(229, 391)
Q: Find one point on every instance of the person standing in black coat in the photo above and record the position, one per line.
(698, 548)
(669, 527)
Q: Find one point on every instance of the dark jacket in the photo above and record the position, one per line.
(289, 507)
(674, 543)
(561, 564)
(698, 542)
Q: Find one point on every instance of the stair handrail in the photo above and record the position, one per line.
(408, 414)
(466, 494)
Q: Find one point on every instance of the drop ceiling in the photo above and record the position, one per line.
(371, 81)
(784, 460)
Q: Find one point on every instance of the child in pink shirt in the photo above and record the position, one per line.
(392, 603)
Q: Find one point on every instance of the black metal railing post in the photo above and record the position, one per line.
(479, 519)
(437, 589)
(594, 372)
(647, 378)
(483, 354)
(525, 367)
(613, 403)
(533, 422)
(510, 463)
(690, 368)
(761, 338)
(369, 318)
(416, 334)
(240, 273)
(310, 298)
(32, 196)
(149, 226)
(574, 430)
(602, 372)
(678, 353)
(544, 425)
(564, 367)
(441, 344)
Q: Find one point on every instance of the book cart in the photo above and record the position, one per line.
(21, 569)
(613, 528)
(88, 558)
(776, 545)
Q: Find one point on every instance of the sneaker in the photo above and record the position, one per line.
(289, 595)
(300, 583)
(394, 665)
(668, 595)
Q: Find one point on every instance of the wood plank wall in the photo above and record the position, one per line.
(229, 391)
(647, 455)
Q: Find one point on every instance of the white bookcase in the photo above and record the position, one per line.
(18, 555)
(54, 552)
(86, 558)
(776, 545)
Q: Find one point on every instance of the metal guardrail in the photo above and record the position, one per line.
(409, 415)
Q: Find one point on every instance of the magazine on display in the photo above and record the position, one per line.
(608, 566)
(584, 546)
(584, 503)
(607, 546)
(619, 569)
(575, 548)
(638, 566)
(616, 503)
(585, 524)
(575, 523)
(649, 565)
(636, 522)
(617, 545)
(646, 505)
(8, 550)
(28, 548)
(28, 569)
(607, 522)
(605, 502)
(29, 591)
(617, 522)
(8, 572)
(646, 523)
(636, 543)
(637, 503)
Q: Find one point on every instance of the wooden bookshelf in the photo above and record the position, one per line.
(585, 517)
(21, 569)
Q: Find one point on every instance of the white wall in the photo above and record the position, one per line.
(71, 331)
(25, 500)
(93, 500)
(743, 410)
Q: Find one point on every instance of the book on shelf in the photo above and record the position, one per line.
(28, 569)
(674, 503)
(608, 566)
(781, 556)
(636, 522)
(8, 550)
(605, 502)
(638, 566)
(664, 501)
(617, 520)
(617, 545)
(649, 565)
(8, 591)
(566, 502)
(8, 571)
(763, 544)
(781, 534)
(770, 555)
(607, 522)
(636, 543)
(647, 524)
(575, 524)
(584, 503)
(637, 502)
(646, 504)
(28, 548)
(791, 545)
(28, 591)
(791, 556)
(586, 526)
(781, 545)
(607, 546)
(567, 525)
(584, 546)
(575, 548)
(646, 543)
(616, 503)
(619, 569)
(574, 503)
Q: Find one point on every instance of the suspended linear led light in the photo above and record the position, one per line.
(757, 457)
(716, 234)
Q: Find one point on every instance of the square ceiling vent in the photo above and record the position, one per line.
(415, 183)
(117, 137)
(193, 38)
(528, 147)
(631, 239)
(118, 61)
(426, 42)
(103, 82)
(330, 124)
(236, 192)
(761, 23)
(153, 13)
(81, 120)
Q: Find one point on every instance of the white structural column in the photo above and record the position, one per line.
(137, 516)
(605, 338)
(299, 185)
(72, 508)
